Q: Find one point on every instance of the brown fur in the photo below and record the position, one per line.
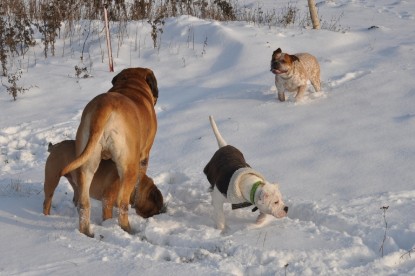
(104, 187)
(119, 125)
(293, 71)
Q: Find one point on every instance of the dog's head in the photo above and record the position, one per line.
(148, 199)
(132, 75)
(268, 199)
(281, 63)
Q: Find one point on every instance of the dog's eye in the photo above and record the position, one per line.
(276, 202)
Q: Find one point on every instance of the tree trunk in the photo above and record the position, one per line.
(313, 13)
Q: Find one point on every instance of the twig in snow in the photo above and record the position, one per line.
(384, 208)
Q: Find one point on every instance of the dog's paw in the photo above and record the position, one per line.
(220, 226)
(261, 218)
(225, 231)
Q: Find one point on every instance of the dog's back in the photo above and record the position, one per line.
(312, 67)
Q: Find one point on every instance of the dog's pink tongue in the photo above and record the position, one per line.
(277, 72)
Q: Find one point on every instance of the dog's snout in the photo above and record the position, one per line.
(286, 209)
(274, 64)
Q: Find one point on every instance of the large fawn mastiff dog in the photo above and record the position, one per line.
(146, 198)
(119, 125)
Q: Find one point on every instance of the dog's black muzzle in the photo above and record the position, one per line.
(274, 65)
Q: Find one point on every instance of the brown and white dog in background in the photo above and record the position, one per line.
(147, 200)
(233, 180)
(119, 125)
(293, 71)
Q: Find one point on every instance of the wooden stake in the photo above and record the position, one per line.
(110, 63)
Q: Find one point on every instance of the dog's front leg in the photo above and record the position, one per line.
(217, 201)
(281, 96)
(300, 92)
(106, 209)
(280, 90)
(261, 218)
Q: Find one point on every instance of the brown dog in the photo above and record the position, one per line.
(293, 71)
(119, 125)
(148, 201)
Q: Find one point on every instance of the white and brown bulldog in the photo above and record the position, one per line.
(105, 185)
(119, 125)
(293, 71)
(233, 180)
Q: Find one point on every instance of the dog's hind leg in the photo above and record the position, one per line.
(316, 84)
(128, 180)
(51, 182)
(84, 206)
(315, 79)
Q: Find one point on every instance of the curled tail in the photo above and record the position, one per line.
(219, 138)
(96, 129)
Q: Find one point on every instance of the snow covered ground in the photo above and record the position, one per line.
(339, 156)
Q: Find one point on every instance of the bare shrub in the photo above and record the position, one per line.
(156, 29)
(50, 23)
(13, 88)
(16, 33)
(334, 24)
(288, 15)
(3, 47)
(226, 11)
(19, 32)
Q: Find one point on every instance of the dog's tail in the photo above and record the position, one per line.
(98, 125)
(219, 138)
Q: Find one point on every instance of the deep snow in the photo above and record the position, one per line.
(339, 156)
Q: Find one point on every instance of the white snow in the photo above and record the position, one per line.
(339, 156)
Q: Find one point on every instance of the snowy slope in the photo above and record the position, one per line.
(339, 156)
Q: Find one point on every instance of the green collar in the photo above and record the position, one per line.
(253, 191)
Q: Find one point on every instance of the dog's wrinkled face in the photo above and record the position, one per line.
(281, 63)
(269, 201)
(148, 199)
(131, 74)
(151, 205)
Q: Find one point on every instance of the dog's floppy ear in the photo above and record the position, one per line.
(156, 197)
(152, 82)
(114, 80)
(294, 58)
(121, 76)
(262, 196)
(277, 54)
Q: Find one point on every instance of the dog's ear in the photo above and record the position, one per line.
(294, 58)
(114, 80)
(156, 197)
(152, 82)
(277, 54)
(276, 185)
(263, 196)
